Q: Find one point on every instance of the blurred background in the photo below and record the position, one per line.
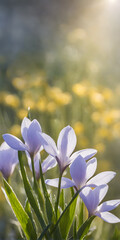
(62, 59)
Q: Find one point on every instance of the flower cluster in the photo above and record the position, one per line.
(82, 165)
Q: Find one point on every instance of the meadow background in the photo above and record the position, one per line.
(62, 59)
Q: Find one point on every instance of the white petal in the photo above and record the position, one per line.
(48, 163)
(48, 144)
(108, 205)
(65, 182)
(91, 168)
(33, 140)
(85, 153)
(78, 171)
(24, 127)
(14, 142)
(66, 141)
(101, 178)
(108, 217)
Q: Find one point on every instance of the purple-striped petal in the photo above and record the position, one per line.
(33, 140)
(8, 160)
(24, 128)
(66, 141)
(108, 205)
(108, 217)
(85, 153)
(88, 198)
(91, 168)
(65, 182)
(92, 198)
(48, 144)
(14, 142)
(101, 178)
(48, 163)
(78, 171)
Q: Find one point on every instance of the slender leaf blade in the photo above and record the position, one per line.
(29, 193)
(83, 230)
(67, 220)
(19, 212)
(48, 204)
(62, 200)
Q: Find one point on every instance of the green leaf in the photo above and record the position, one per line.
(67, 219)
(80, 217)
(44, 232)
(29, 212)
(29, 193)
(83, 230)
(62, 200)
(48, 204)
(19, 212)
(74, 228)
(69, 204)
(37, 189)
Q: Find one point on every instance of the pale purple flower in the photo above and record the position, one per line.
(92, 198)
(48, 163)
(65, 146)
(8, 160)
(81, 172)
(29, 130)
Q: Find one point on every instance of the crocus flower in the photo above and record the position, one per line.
(81, 172)
(65, 146)
(8, 160)
(29, 130)
(92, 198)
(47, 164)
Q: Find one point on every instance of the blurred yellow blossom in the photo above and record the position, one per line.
(41, 105)
(51, 107)
(100, 147)
(11, 100)
(56, 94)
(107, 94)
(78, 127)
(111, 116)
(21, 113)
(20, 83)
(97, 100)
(79, 89)
(15, 130)
(104, 133)
(27, 102)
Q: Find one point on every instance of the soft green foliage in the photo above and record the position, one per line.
(20, 213)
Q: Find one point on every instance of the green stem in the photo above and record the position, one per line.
(58, 196)
(36, 187)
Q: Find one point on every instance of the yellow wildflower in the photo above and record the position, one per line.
(12, 100)
(78, 127)
(27, 102)
(51, 107)
(41, 105)
(79, 89)
(20, 83)
(21, 113)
